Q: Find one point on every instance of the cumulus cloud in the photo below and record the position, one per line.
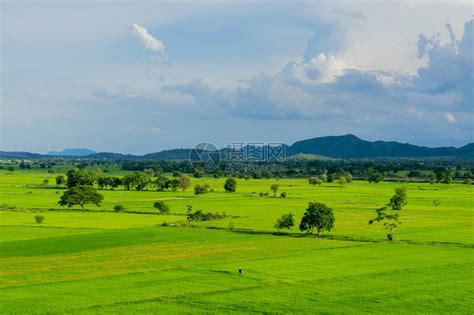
(327, 88)
(149, 42)
(450, 67)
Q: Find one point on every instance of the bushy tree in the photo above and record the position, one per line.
(80, 195)
(399, 199)
(184, 182)
(230, 184)
(79, 177)
(119, 208)
(342, 180)
(161, 206)
(286, 221)
(319, 216)
(274, 189)
(39, 218)
(437, 203)
(323, 177)
(374, 176)
(60, 180)
(201, 189)
(137, 181)
(314, 181)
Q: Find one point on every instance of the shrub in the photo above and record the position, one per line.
(285, 222)
(39, 218)
(230, 185)
(315, 181)
(119, 208)
(283, 195)
(161, 206)
(201, 189)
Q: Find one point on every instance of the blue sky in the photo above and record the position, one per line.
(142, 77)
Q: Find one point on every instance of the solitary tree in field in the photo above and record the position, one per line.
(399, 199)
(314, 181)
(318, 216)
(201, 189)
(184, 182)
(230, 184)
(39, 218)
(161, 206)
(342, 180)
(437, 203)
(274, 188)
(285, 222)
(80, 195)
(390, 220)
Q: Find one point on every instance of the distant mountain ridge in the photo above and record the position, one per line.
(352, 147)
(72, 152)
(341, 147)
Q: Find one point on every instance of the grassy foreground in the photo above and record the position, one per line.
(99, 261)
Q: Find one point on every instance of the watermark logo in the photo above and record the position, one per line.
(238, 157)
(205, 156)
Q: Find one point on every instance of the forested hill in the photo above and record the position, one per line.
(352, 147)
(344, 147)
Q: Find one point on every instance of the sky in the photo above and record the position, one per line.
(140, 77)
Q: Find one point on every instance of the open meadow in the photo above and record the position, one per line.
(101, 261)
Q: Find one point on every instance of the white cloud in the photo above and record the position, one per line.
(150, 42)
(322, 68)
(449, 117)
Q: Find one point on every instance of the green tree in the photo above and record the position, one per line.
(437, 203)
(318, 216)
(184, 182)
(314, 181)
(60, 180)
(348, 176)
(39, 218)
(390, 221)
(342, 180)
(286, 221)
(323, 177)
(399, 199)
(274, 189)
(161, 206)
(230, 184)
(374, 176)
(79, 177)
(80, 195)
(201, 189)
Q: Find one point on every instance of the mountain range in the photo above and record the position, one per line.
(343, 147)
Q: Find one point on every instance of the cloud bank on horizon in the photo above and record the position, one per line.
(236, 73)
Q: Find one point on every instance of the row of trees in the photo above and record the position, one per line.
(133, 181)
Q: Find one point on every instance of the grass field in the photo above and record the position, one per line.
(99, 261)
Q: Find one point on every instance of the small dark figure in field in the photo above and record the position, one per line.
(240, 271)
